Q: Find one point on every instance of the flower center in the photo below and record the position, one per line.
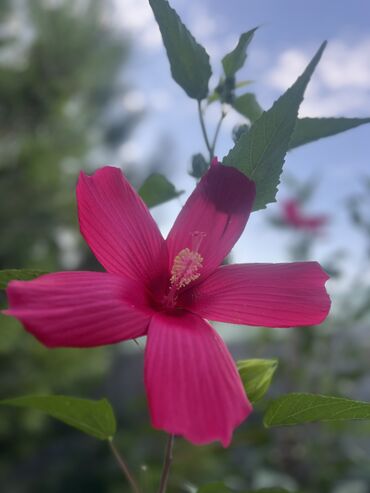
(185, 269)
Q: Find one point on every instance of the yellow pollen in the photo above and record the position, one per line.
(185, 268)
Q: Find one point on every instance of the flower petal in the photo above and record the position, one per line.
(80, 309)
(193, 386)
(271, 295)
(118, 227)
(219, 209)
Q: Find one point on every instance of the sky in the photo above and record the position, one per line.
(289, 34)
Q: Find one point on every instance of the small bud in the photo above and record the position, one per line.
(239, 130)
(199, 166)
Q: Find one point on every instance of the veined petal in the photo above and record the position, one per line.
(80, 309)
(270, 295)
(213, 217)
(118, 227)
(192, 383)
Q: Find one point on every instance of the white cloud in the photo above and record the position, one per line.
(203, 25)
(347, 66)
(290, 64)
(131, 151)
(137, 18)
(159, 100)
(134, 100)
(340, 85)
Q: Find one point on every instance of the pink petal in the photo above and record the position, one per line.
(80, 309)
(294, 217)
(118, 227)
(270, 295)
(219, 209)
(193, 386)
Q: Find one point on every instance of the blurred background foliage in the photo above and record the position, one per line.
(62, 80)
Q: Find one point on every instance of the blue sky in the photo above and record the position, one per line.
(290, 32)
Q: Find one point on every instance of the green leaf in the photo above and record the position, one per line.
(18, 274)
(156, 189)
(256, 375)
(243, 83)
(260, 153)
(235, 60)
(221, 488)
(216, 96)
(296, 408)
(189, 61)
(213, 488)
(95, 418)
(311, 129)
(248, 106)
(269, 490)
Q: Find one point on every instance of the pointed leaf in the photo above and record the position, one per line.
(256, 375)
(260, 153)
(296, 408)
(248, 106)
(96, 418)
(311, 129)
(189, 61)
(8, 275)
(235, 60)
(243, 83)
(156, 189)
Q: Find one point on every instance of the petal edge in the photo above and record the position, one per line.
(192, 383)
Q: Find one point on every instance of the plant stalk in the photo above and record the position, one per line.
(213, 147)
(168, 458)
(124, 468)
(204, 131)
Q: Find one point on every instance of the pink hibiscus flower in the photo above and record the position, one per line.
(293, 216)
(165, 289)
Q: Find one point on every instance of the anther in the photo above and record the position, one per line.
(185, 269)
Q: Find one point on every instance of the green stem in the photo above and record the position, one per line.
(213, 147)
(168, 458)
(204, 131)
(124, 468)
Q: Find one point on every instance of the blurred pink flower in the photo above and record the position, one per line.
(164, 289)
(293, 216)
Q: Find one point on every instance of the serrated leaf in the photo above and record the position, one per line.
(189, 61)
(300, 408)
(235, 60)
(96, 418)
(311, 129)
(256, 375)
(8, 275)
(156, 189)
(248, 106)
(260, 153)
